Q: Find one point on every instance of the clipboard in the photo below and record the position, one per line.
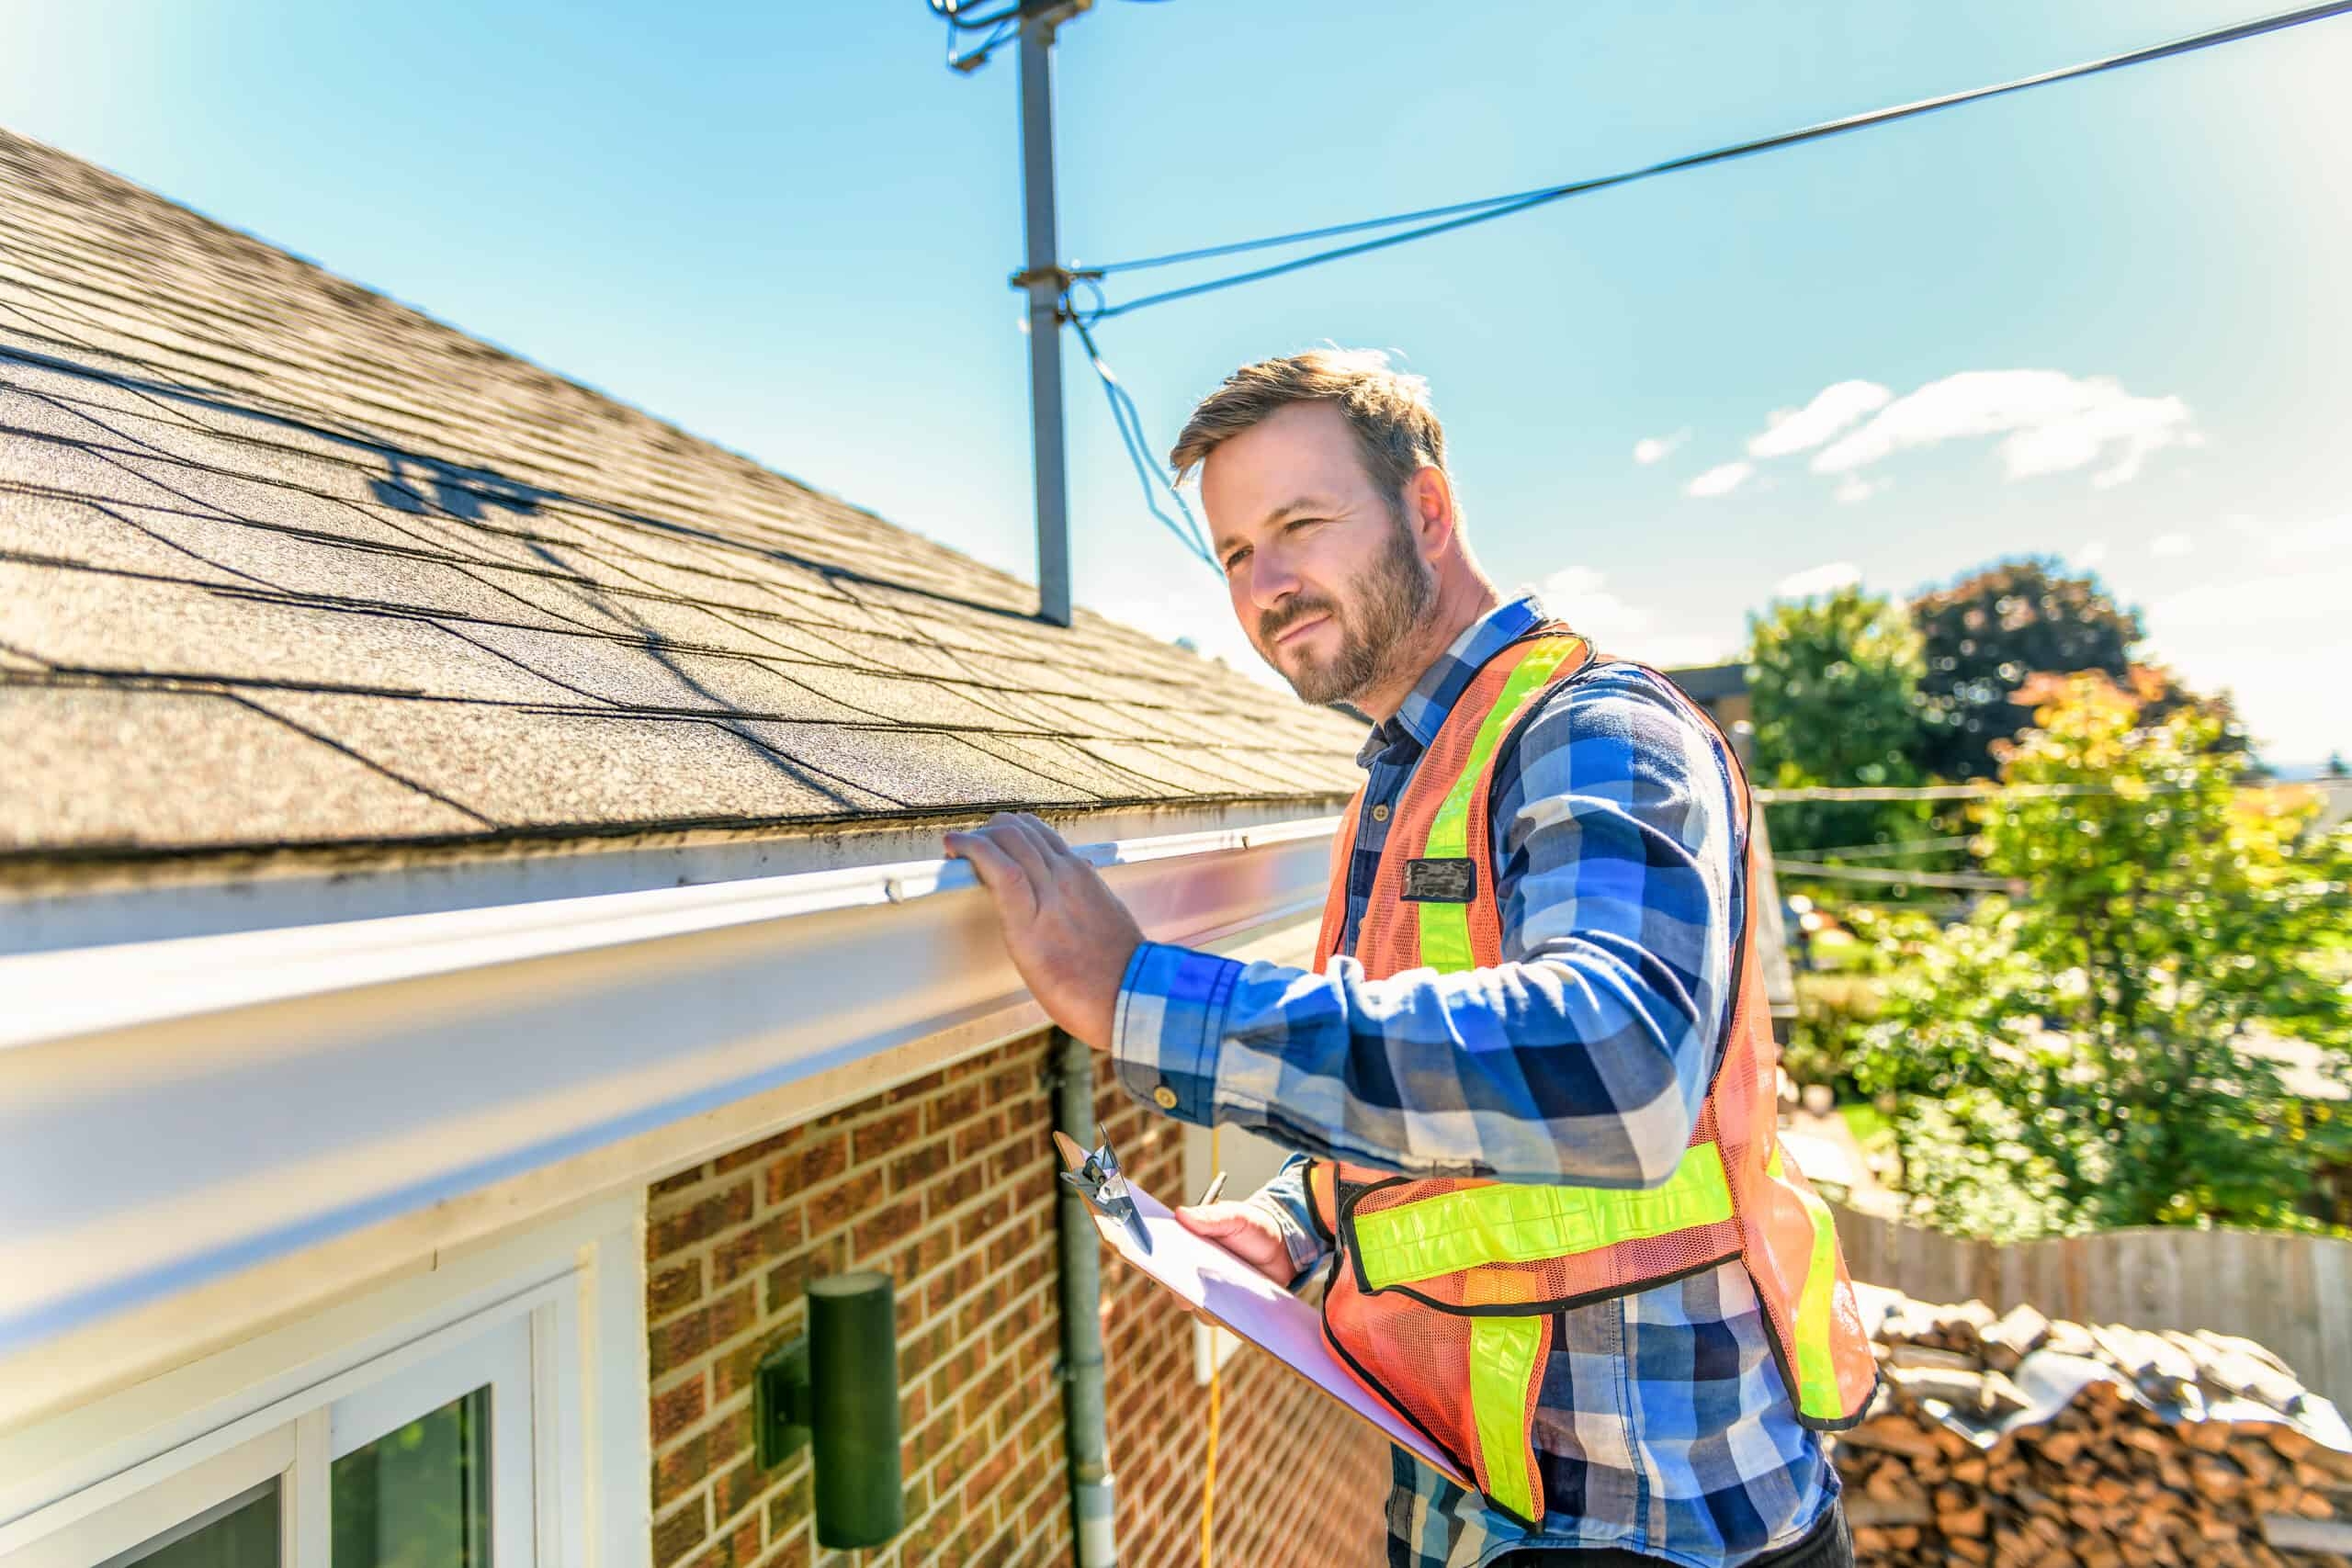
(1216, 1285)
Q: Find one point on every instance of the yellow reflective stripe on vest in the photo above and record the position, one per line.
(1817, 1395)
(1502, 1363)
(1445, 927)
(1509, 1222)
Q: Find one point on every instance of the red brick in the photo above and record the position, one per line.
(730, 1435)
(931, 1250)
(671, 1288)
(885, 1229)
(681, 1470)
(738, 1254)
(676, 1409)
(677, 1183)
(975, 1138)
(676, 1342)
(985, 1480)
(979, 1335)
(796, 1173)
(959, 1104)
(832, 1208)
(885, 1133)
(918, 1089)
(679, 1533)
(751, 1154)
(737, 1490)
(731, 1314)
(788, 1503)
(706, 1217)
(731, 1373)
(919, 1165)
(990, 1214)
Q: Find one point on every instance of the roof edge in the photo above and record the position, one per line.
(50, 903)
(253, 1096)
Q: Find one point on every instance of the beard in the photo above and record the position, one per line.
(1382, 609)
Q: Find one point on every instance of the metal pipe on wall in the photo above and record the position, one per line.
(1086, 1437)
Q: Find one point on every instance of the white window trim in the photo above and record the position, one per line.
(554, 1317)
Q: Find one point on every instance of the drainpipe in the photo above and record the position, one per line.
(1085, 1436)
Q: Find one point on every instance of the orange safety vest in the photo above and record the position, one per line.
(1441, 1292)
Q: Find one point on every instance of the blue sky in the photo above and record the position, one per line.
(788, 227)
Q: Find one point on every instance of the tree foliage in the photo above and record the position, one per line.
(1985, 635)
(1833, 688)
(2090, 1055)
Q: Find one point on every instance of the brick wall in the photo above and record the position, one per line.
(946, 1184)
(1297, 1481)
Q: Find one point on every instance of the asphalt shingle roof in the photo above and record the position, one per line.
(283, 563)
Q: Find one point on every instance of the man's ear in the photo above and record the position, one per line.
(1429, 505)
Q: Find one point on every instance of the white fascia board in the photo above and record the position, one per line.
(174, 1111)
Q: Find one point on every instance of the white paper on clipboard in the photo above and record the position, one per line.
(1214, 1282)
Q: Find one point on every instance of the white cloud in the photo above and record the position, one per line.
(2170, 544)
(2050, 423)
(1653, 448)
(2090, 555)
(1720, 480)
(2279, 641)
(1832, 409)
(1582, 597)
(1816, 580)
(2318, 542)
(1854, 488)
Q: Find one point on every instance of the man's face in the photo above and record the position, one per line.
(1326, 580)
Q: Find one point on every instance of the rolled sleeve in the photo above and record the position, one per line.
(1168, 1026)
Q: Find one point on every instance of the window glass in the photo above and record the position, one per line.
(419, 1496)
(243, 1532)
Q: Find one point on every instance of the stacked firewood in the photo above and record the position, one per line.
(2017, 1440)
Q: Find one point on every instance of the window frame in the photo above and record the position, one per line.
(552, 1321)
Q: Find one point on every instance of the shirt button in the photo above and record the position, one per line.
(1380, 813)
(1164, 1098)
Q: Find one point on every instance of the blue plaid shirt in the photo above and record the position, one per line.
(1663, 1424)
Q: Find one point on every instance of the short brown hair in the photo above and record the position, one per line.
(1395, 428)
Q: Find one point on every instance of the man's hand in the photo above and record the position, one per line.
(1243, 1230)
(1068, 935)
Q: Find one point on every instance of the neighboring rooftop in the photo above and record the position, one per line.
(284, 562)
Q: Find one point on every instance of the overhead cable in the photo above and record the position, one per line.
(1899, 847)
(1464, 214)
(1953, 792)
(1891, 878)
(1129, 421)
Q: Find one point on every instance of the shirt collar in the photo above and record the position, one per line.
(1432, 697)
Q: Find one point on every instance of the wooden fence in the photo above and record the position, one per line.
(2291, 1294)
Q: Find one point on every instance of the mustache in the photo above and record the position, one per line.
(1272, 624)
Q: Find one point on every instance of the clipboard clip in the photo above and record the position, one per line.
(1096, 1174)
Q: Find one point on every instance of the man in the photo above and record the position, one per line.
(1561, 1238)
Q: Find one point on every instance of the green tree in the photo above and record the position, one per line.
(1984, 636)
(2091, 1055)
(1833, 688)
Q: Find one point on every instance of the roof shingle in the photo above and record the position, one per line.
(284, 562)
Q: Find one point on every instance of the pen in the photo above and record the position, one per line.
(1209, 1197)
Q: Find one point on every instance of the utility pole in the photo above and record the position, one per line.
(1045, 279)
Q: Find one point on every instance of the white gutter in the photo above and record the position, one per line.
(174, 1111)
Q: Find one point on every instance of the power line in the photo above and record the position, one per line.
(1891, 878)
(1463, 215)
(1953, 792)
(1129, 421)
(1887, 851)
